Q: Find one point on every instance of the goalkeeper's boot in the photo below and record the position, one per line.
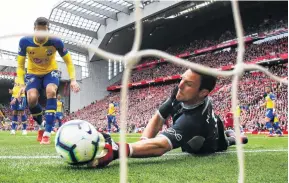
(40, 135)
(45, 140)
(231, 133)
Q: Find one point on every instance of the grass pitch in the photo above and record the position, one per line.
(22, 159)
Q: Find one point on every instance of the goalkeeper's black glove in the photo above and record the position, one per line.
(166, 108)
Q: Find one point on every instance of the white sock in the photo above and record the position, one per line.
(41, 127)
(46, 134)
(130, 150)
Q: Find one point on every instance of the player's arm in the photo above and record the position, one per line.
(181, 133)
(153, 127)
(21, 64)
(273, 98)
(2, 114)
(156, 122)
(69, 64)
(63, 109)
(263, 105)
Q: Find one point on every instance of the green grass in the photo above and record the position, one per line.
(259, 166)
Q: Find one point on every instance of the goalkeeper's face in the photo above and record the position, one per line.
(42, 28)
(189, 92)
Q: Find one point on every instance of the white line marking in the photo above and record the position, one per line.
(229, 152)
(168, 154)
(114, 137)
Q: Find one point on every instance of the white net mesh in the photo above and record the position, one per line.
(133, 57)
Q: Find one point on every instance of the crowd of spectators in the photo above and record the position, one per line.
(214, 59)
(265, 26)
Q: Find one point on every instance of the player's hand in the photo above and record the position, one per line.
(13, 101)
(10, 91)
(174, 93)
(74, 86)
(22, 90)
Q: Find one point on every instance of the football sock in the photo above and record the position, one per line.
(37, 113)
(50, 115)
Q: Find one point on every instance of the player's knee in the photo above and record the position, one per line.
(51, 91)
(32, 96)
(195, 144)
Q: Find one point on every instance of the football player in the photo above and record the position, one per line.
(42, 73)
(60, 110)
(270, 109)
(18, 105)
(111, 117)
(196, 128)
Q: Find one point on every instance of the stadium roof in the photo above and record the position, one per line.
(81, 19)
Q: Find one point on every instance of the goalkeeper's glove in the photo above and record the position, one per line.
(167, 107)
(112, 153)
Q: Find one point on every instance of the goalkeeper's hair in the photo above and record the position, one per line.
(207, 82)
(41, 21)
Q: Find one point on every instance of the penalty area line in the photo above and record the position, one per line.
(168, 154)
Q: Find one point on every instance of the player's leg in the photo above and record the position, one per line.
(269, 127)
(60, 120)
(21, 113)
(59, 117)
(277, 129)
(14, 121)
(24, 122)
(109, 124)
(268, 121)
(33, 84)
(50, 83)
(114, 123)
(14, 117)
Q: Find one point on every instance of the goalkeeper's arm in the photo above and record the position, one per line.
(157, 121)
(153, 127)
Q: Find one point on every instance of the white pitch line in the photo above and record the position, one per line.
(250, 137)
(29, 157)
(168, 154)
(36, 136)
(229, 152)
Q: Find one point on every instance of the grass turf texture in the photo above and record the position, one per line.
(266, 166)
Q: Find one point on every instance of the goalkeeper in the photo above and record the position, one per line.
(196, 129)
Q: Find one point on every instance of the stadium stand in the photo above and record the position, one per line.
(143, 101)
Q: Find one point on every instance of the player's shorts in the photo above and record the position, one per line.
(19, 105)
(268, 125)
(269, 114)
(111, 119)
(41, 82)
(59, 116)
(276, 125)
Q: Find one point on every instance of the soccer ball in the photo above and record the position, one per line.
(77, 142)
